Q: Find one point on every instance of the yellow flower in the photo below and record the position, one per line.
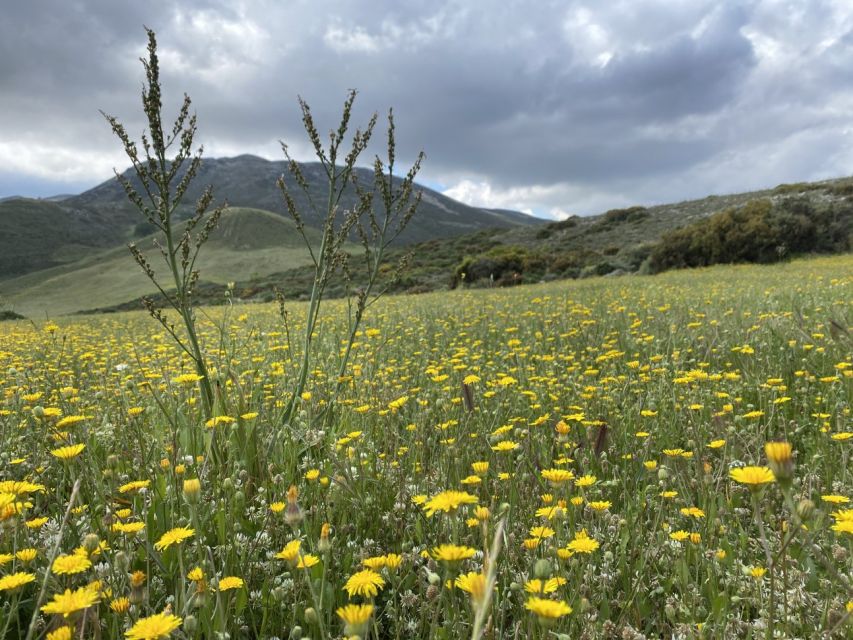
(70, 564)
(679, 536)
(364, 583)
(393, 560)
(505, 445)
(557, 476)
(582, 543)
(780, 456)
(752, 475)
(307, 561)
(452, 553)
(290, 553)
(35, 523)
(62, 633)
(120, 605)
(173, 536)
(716, 444)
(355, 617)
(15, 581)
(192, 489)
(196, 574)
(70, 602)
(69, 452)
(67, 421)
(480, 468)
(541, 532)
(547, 609)
(312, 474)
(544, 586)
(217, 420)
(693, 511)
(448, 501)
(599, 505)
(135, 485)
(230, 582)
(474, 584)
(833, 499)
(186, 378)
(586, 481)
(160, 625)
(757, 572)
(131, 528)
(26, 555)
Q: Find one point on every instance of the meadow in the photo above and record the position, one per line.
(626, 458)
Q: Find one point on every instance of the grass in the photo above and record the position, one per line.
(249, 243)
(591, 427)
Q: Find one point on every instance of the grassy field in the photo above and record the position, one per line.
(249, 243)
(578, 459)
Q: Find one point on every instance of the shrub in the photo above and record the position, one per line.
(760, 231)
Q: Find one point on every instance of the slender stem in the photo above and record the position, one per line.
(53, 553)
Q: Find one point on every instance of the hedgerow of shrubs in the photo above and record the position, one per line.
(760, 231)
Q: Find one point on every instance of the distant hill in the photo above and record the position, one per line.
(819, 215)
(248, 243)
(259, 250)
(250, 181)
(39, 234)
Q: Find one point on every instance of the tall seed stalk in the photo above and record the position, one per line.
(375, 232)
(162, 187)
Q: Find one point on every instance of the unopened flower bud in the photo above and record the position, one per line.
(542, 569)
(805, 509)
(779, 456)
(91, 542)
(190, 624)
(192, 490)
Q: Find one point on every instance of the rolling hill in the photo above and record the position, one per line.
(805, 217)
(249, 243)
(259, 250)
(250, 181)
(46, 233)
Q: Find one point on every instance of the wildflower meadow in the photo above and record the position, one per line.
(635, 457)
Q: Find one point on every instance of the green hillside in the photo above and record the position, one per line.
(248, 244)
(761, 226)
(250, 181)
(42, 234)
(37, 234)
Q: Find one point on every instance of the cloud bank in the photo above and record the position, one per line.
(554, 108)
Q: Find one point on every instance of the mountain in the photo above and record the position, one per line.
(259, 250)
(250, 181)
(762, 226)
(248, 243)
(38, 234)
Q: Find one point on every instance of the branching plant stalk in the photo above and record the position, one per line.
(157, 192)
(375, 232)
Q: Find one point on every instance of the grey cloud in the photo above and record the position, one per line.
(589, 103)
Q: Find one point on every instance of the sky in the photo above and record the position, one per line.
(552, 108)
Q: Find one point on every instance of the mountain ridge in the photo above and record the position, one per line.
(44, 233)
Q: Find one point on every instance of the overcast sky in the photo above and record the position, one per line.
(553, 108)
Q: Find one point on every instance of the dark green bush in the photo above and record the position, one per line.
(759, 231)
